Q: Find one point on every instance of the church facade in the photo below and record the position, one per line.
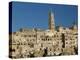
(40, 43)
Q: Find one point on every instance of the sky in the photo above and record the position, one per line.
(35, 15)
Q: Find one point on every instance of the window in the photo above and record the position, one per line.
(76, 34)
(43, 39)
(25, 35)
(66, 42)
(54, 35)
(50, 49)
(76, 37)
(47, 36)
(58, 42)
(58, 48)
(66, 39)
(29, 35)
(41, 45)
(34, 35)
(48, 39)
(31, 45)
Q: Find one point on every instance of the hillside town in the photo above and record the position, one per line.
(35, 42)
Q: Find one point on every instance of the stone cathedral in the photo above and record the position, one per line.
(54, 41)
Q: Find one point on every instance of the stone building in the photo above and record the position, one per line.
(40, 43)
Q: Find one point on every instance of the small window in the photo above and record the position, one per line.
(29, 35)
(43, 39)
(25, 35)
(66, 39)
(48, 39)
(76, 37)
(66, 42)
(34, 35)
(58, 48)
(54, 35)
(50, 49)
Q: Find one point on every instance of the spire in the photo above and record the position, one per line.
(51, 21)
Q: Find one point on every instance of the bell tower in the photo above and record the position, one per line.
(51, 21)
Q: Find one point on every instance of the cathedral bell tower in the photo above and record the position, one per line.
(51, 21)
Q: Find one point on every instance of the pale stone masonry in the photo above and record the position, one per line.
(40, 43)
